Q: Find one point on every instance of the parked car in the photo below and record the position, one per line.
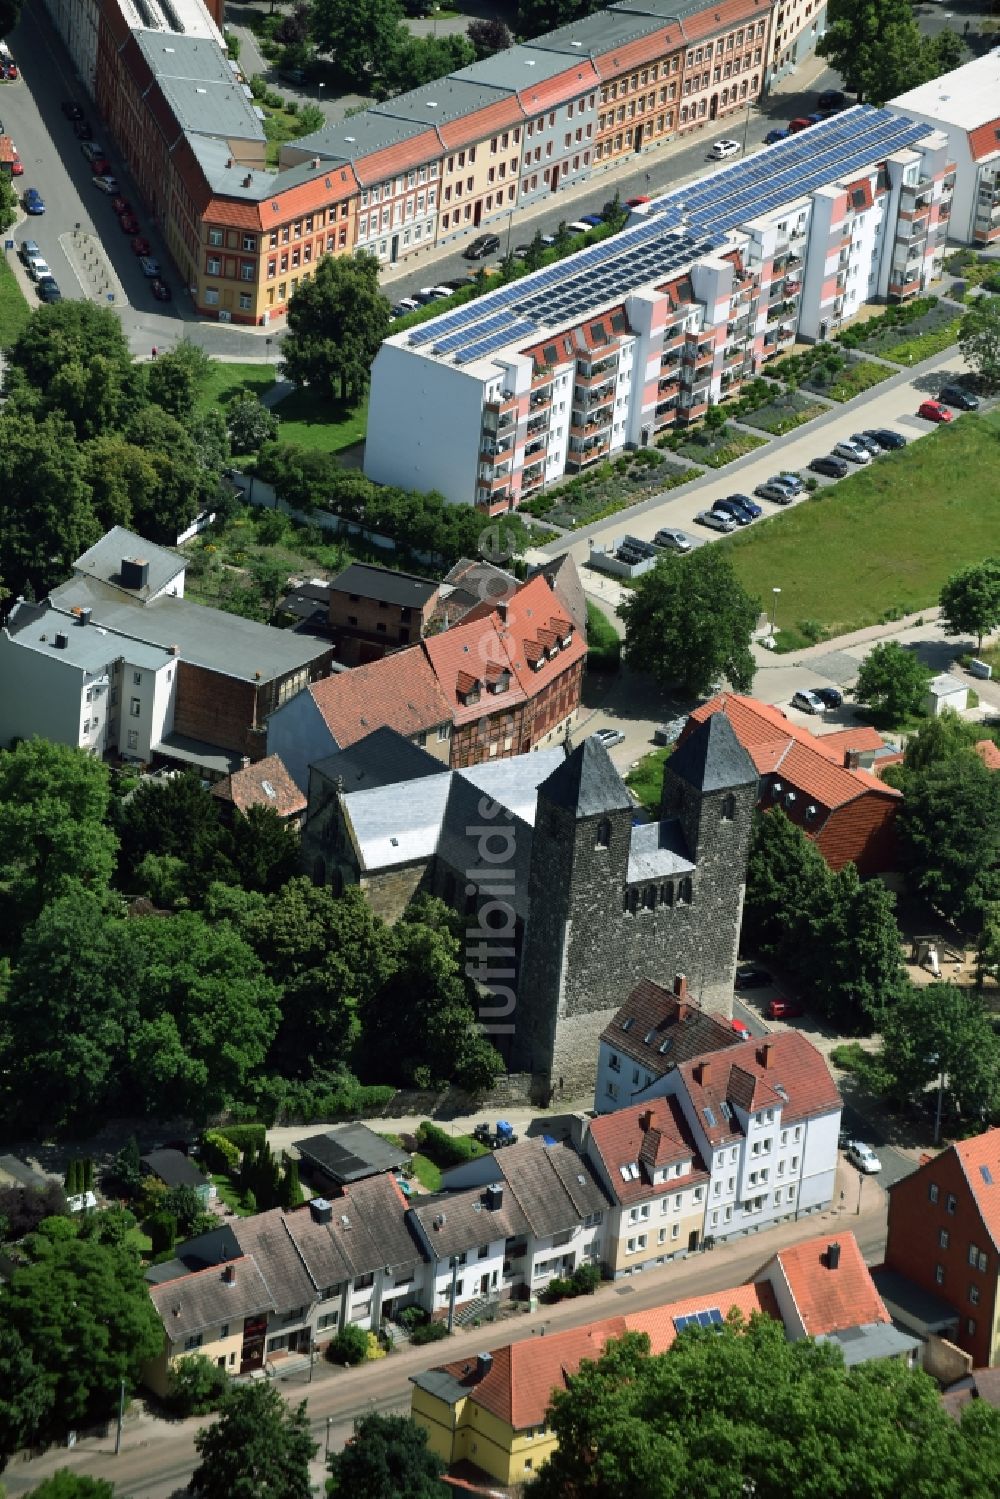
(481, 246)
(832, 697)
(788, 481)
(71, 110)
(149, 267)
(749, 976)
(861, 1155)
(807, 701)
(873, 448)
(852, 451)
(750, 506)
(716, 521)
(408, 304)
(954, 395)
(140, 246)
(28, 250)
(579, 226)
(801, 123)
(107, 184)
(742, 1029)
(120, 206)
(778, 494)
(11, 73)
(16, 164)
(48, 289)
(37, 268)
(773, 136)
(673, 541)
(734, 510)
(129, 224)
(722, 150)
(933, 411)
(609, 737)
(636, 202)
(784, 1009)
(100, 166)
(832, 99)
(592, 220)
(34, 203)
(886, 438)
(521, 252)
(91, 150)
(82, 130)
(161, 291)
(834, 468)
(429, 294)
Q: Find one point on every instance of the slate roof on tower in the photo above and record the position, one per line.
(587, 783)
(712, 758)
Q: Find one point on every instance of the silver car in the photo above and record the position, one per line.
(861, 1155)
(673, 541)
(716, 521)
(807, 701)
(852, 451)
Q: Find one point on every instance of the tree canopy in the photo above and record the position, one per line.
(360, 35)
(941, 1028)
(258, 1449)
(979, 338)
(746, 1411)
(388, 1459)
(893, 682)
(65, 1484)
(690, 621)
(877, 48)
(970, 600)
(336, 322)
(949, 832)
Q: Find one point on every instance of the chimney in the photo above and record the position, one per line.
(502, 610)
(832, 1256)
(484, 1363)
(852, 759)
(172, 650)
(244, 762)
(134, 572)
(229, 164)
(703, 1072)
(680, 986)
(85, 616)
(765, 1055)
(494, 1197)
(314, 163)
(646, 1120)
(229, 1275)
(61, 641)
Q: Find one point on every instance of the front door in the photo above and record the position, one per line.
(713, 108)
(252, 1352)
(692, 1241)
(638, 136)
(484, 1286)
(394, 250)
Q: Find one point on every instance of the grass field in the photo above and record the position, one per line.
(923, 345)
(850, 382)
(224, 380)
(14, 310)
(884, 539)
(604, 648)
(307, 419)
(646, 780)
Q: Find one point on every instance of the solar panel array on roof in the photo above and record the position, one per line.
(681, 226)
(712, 1318)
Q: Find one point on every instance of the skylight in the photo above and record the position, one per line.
(709, 1118)
(712, 1318)
(628, 1022)
(987, 1175)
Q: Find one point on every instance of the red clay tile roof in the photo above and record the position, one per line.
(980, 1160)
(785, 1060)
(472, 128)
(548, 92)
(652, 1135)
(249, 788)
(982, 140)
(652, 1011)
(812, 768)
(826, 1300)
(989, 753)
(519, 1386)
(399, 692)
(486, 643)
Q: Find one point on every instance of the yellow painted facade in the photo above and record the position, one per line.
(224, 1351)
(465, 1431)
(664, 1225)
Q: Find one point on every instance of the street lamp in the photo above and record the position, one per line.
(326, 1450)
(321, 88)
(746, 126)
(774, 605)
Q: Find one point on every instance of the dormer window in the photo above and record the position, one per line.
(467, 688)
(499, 683)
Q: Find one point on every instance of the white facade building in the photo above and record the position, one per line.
(567, 366)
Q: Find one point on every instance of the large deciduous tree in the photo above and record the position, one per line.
(68, 333)
(949, 829)
(65, 1484)
(877, 48)
(336, 321)
(941, 1029)
(979, 338)
(970, 600)
(82, 1308)
(690, 621)
(488, 35)
(258, 1449)
(46, 518)
(25, 1395)
(745, 1411)
(892, 681)
(535, 16)
(360, 35)
(388, 1459)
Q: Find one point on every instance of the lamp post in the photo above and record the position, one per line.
(321, 88)
(326, 1450)
(861, 1182)
(774, 605)
(746, 125)
(510, 228)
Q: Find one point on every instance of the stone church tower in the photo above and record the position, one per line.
(609, 903)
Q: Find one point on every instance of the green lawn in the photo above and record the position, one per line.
(427, 1174)
(311, 421)
(230, 1195)
(885, 539)
(224, 380)
(14, 310)
(604, 647)
(923, 345)
(646, 780)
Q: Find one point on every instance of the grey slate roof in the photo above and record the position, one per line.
(266, 1237)
(586, 783)
(205, 1298)
(360, 136)
(351, 1152)
(712, 758)
(174, 1168)
(592, 35)
(455, 1222)
(440, 1383)
(104, 559)
(19, 1172)
(658, 849)
(198, 83)
(213, 1248)
(873, 1340)
(220, 642)
(442, 100)
(652, 1011)
(382, 583)
(367, 1231)
(553, 1186)
(517, 68)
(382, 758)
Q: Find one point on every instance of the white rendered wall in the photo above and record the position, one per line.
(424, 424)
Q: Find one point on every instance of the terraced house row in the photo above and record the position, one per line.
(415, 171)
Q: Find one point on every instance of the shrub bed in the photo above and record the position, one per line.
(785, 414)
(447, 1150)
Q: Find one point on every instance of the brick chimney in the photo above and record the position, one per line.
(646, 1120)
(833, 1256)
(765, 1055)
(702, 1072)
(502, 610)
(852, 759)
(680, 986)
(229, 1275)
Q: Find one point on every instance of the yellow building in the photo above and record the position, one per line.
(220, 1313)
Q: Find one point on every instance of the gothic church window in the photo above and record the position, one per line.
(603, 833)
(728, 808)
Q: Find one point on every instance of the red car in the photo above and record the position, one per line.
(129, 223)
(11, 72)
(784, 1009)
(634, 202)
(742, 1029)
(140, 246)
(100, 166)
(933, 411)
(120, 206)
(17, 167)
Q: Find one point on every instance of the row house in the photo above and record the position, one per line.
(643, 332)
(796, 27)
(724, 61)
(655, 1029)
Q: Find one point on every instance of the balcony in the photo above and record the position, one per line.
(673, 340)
(536, 425)
(542, 398)
(578, 458)
(536, 447)
(587, 396)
